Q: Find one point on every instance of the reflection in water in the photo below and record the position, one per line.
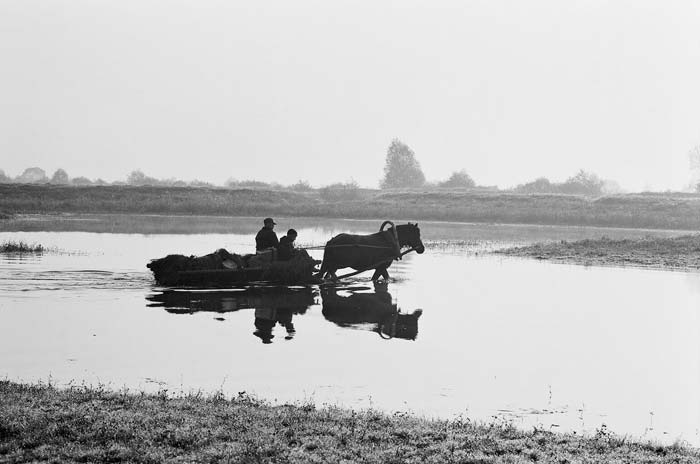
(221, 301)
(350, 307)
(273, 305)
(82, 318)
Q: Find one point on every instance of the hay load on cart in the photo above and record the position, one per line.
(222, 268)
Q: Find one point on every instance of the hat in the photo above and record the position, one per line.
(269, 221)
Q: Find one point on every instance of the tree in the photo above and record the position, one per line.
(33, 176)
(585, 183)
(402, 168)
(139, 178)
(59, 177)
(4, 179)
(458, 179)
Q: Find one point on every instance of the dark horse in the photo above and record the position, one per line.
(374, 251)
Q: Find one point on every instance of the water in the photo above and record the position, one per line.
(456, 330)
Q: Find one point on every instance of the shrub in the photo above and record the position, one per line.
(301, 186)
(11, 246)
(81, 181)
(458, 179)
(250, 183)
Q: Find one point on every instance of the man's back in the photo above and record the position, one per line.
(266, 238)
(285, 250)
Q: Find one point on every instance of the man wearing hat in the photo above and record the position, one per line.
(266, 238)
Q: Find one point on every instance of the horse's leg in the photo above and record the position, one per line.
(385, 274)
(329, 271)
(380, 272)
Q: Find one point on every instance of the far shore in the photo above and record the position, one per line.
(672, 253)
(664, 211)
(39, 422)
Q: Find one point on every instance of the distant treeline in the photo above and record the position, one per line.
(583, 183)
(660, 211)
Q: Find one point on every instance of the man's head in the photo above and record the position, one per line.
(269, 223)
(292, 234)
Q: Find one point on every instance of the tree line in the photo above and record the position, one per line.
(402, 170)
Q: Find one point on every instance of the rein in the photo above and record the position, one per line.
(321, 247)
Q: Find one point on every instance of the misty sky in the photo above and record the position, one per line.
(316, 90)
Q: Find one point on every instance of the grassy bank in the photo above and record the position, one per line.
(39, 422)
(658, 252)
(11, 246)
(677, 211)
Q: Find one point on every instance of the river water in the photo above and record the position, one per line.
(456, 332)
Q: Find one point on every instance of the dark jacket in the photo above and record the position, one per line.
(266, 238)
(285, 249)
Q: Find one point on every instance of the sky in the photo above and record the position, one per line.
(316, 90)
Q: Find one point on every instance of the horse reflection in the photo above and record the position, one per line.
(272, 305)
(358, 310)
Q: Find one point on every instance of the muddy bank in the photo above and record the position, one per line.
(39, 422)
(682, 252)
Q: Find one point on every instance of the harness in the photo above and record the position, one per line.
(394, 239)
(395, 247)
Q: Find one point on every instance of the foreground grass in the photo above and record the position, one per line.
(660, 211)
(41, 423)
(11, 246)
(681, 252)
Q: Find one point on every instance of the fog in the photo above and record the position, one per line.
(281, 91)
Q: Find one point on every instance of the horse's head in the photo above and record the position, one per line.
(399, 325)
(409, 235)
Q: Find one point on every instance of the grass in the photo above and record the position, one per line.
(11, 246)
(660, 211)
(682, 252)
(42, 423)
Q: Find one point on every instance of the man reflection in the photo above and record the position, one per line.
(267, 318)
(272, 305)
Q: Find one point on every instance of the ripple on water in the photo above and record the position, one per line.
(22, 280)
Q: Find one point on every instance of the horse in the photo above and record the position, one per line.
(369, 311)
(374, 251)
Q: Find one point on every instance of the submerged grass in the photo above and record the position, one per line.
(681, 252)
(11, 246)
(42, 423)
